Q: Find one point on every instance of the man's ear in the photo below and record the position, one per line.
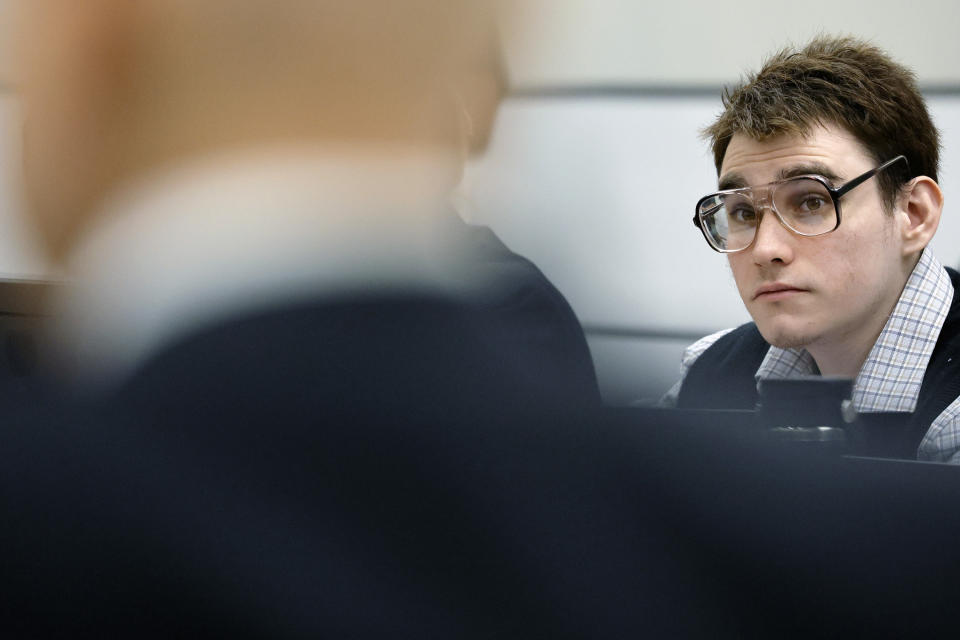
(920, 206)
(480, 94)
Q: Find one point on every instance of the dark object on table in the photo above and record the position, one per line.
(811, 411)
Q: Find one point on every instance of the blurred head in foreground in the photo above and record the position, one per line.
(817, 269)
(114, 89)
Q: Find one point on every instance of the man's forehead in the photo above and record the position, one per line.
(828, 151)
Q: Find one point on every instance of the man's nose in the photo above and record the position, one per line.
(773, 241)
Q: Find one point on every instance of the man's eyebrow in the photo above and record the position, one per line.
(737, 181)
(809, 169)
(732, 181)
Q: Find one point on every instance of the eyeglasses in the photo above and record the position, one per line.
(806, 205)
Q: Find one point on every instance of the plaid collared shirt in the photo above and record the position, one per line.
(890, 378)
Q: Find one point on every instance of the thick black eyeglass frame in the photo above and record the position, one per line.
(835, 194)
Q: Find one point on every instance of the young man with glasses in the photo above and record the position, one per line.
(827, 162)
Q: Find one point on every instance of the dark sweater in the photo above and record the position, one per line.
(723, 377)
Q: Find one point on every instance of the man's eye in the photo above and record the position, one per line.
(743, 215)
(812, 204)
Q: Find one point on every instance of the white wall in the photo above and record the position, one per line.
(695, 42)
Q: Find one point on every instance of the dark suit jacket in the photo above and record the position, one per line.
(366, 467)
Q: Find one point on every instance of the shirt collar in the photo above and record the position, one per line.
(892, 374)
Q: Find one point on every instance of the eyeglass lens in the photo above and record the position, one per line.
(804, 205)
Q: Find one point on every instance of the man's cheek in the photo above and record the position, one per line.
(744, 284)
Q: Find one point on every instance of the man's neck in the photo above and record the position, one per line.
(844, 354)
(844, 357)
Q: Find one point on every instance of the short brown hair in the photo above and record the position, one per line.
(835, 80)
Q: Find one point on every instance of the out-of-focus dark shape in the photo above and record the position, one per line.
(204, 513)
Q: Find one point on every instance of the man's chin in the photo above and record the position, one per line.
(783, 337)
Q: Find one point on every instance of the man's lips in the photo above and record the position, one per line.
(776, 291)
